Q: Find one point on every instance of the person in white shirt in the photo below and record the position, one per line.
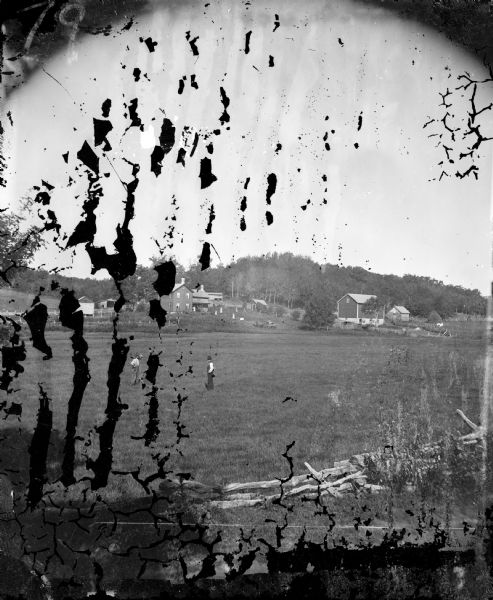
(135, 364)
(210, 374)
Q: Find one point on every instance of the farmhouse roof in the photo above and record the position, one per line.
(86, 300)
(359, 298)
(257, 301)
(402, 309)
(179, 285)
(199, 293)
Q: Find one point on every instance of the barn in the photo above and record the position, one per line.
(398, 313)
(350, 309)
(87, 306)
(179, 299)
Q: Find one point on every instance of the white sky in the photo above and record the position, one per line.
(382, 211)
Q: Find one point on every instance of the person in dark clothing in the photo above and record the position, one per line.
(36, 318)
(210, 374)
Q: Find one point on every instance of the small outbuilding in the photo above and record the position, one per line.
(398, 313)
(87, 306)
(108, 303)
(260, 305)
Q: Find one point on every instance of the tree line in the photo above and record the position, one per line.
(284, 279)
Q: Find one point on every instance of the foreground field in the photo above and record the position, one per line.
(281, 398)
(333, 395)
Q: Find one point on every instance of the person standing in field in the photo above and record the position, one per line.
(210, 374)
(135, 364)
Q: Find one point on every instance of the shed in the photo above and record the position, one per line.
(87, 306)
(108, 303)
(258, 304)
(398, 313)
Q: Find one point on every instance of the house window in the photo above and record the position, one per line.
(177, 294)
(187, 305)
(188, 296)
(177, 307)
(347, 300)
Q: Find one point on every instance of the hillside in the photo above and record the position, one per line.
(283, 279)
(12, 300)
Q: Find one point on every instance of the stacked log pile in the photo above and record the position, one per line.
(366, 472)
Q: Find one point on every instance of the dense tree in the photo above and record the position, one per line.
(18, 243)
(319, 314)
(288, 280)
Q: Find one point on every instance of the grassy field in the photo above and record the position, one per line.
(333, 395)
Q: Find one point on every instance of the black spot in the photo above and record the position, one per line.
(151, 45)
(193, 43)
(271, 186)
(181, 156)
(166, 275)
(247, 42)
(205, 257)
(224, 118)
(105, 108)
(207, 178)
(101, 130)
(87, 156)
(157, 312)
(212, 216)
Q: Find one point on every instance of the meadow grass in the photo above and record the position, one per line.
(333, 395)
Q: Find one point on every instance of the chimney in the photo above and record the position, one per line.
(182, 281)
(201, 287)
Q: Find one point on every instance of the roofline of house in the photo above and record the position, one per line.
(180, 285)
(351, 294)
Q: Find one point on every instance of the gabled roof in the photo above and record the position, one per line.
(402, 309)
(359, 298)
(257, 301)
(200, 295)
(178, 286)
(85, 299)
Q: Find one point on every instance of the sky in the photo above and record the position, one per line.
(364, 80)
